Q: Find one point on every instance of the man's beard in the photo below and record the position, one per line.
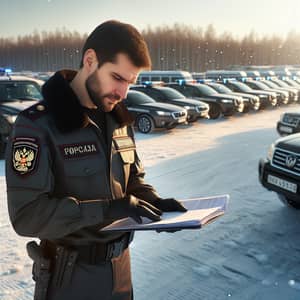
(98, 97)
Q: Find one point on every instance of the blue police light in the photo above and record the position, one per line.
(147, 83)
(8, 70)
(181, 81)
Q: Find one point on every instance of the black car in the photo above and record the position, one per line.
(289, 123)
(150, 114)
(266, 98)
(218, 103)
(250, 101)
(282, 95)
(16, 94)
(280, 171)
(195, 108)
(293, 93)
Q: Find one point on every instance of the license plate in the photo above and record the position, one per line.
(286, 129)
(284, 184)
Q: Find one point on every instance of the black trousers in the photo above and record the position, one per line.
(110, 280)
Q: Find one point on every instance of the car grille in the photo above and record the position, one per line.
(290, 120)
(179, 114)
(282, 157)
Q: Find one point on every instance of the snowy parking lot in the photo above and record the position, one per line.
(252, 252)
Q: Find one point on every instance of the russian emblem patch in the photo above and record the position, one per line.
(25, 153)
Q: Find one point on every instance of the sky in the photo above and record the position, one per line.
(265, 17)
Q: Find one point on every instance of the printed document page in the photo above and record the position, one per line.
(200, 212)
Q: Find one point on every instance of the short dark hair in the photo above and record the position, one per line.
(113, 37)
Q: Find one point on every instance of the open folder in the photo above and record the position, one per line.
(201, 211)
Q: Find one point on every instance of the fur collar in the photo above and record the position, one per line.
(65, 108)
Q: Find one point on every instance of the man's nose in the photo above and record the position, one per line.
(123, 90)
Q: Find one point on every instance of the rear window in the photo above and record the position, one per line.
(12, 91)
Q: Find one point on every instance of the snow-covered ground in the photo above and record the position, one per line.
(252, 252)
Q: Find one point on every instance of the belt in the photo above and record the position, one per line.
(92, 254)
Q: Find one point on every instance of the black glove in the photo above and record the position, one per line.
(133, 207)
(168, 204)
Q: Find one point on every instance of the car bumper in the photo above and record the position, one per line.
(278, 181)
(228, 108)
(167, 121)
(285, 129)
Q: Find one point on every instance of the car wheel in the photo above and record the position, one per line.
(288, 202)
(145, 124)
(214, 111)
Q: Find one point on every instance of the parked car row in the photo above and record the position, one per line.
(16, 94)
(223, 97)
(279, 171)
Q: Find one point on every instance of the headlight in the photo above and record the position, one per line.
(226, 101)
(271, 152)
(163, 113)
(11, 118)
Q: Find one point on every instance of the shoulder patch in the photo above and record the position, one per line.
(25, 155)
(35, 111)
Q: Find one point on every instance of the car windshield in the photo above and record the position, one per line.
(260, 85)
(242, 86)
(206, 90)
(292, 83)
(221, 88)
(271, 84)
(137, 98)
(170, 93)
(25, 91)
(281, 83)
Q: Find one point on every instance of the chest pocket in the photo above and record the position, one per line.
(126, 148)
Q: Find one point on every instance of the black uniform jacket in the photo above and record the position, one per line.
(60, 172)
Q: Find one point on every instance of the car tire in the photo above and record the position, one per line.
(214, 111)
(145, 124)
(288, 202)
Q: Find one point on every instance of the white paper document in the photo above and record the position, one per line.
(200, 212)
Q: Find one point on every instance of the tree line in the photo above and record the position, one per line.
(171, 47)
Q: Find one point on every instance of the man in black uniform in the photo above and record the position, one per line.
(72, 168)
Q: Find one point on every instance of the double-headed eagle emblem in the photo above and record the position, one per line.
(24, 157)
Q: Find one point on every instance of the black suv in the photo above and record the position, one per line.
(266, 98)
(280, 171)
(250, 101)
(16, 94)
(195, 108)
(289, 123)
(218, 103)
(150, 114)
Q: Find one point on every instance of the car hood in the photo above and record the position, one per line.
(290, 143)
(16, 106)
(244, 95)
(158, 106)
(262, 92)
(225, 96)
(189, 102)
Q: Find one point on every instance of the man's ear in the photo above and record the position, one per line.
(90, 61)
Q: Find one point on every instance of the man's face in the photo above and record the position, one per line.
(108, 85)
